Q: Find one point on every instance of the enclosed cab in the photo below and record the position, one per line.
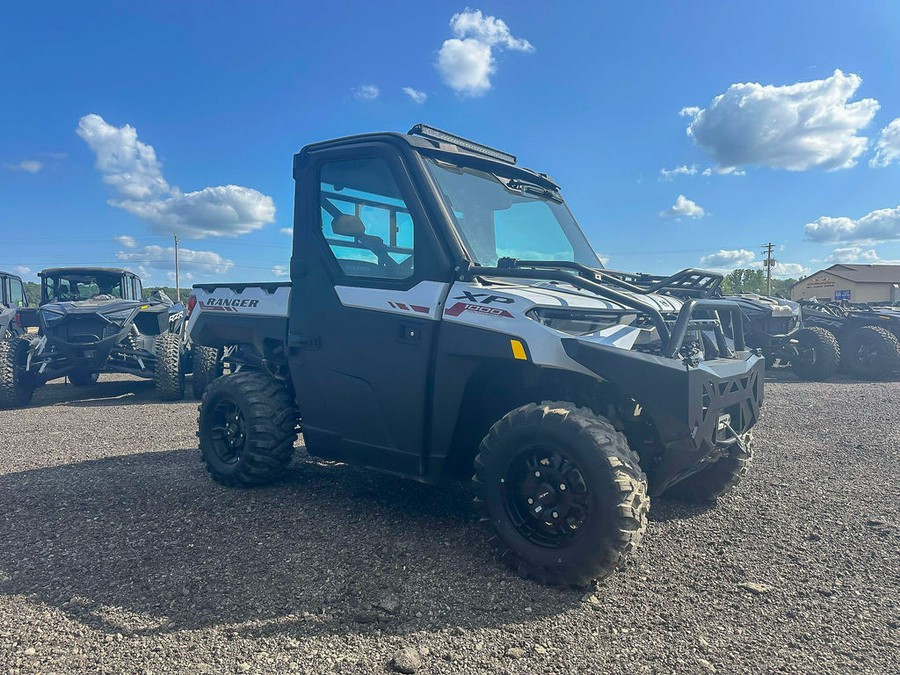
(447, 319)
(12, 301)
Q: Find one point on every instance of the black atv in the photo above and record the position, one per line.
(93, 320)
(869, 336)
(12, 298)
(773, 325)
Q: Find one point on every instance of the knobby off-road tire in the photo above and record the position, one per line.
(16, 384)
(819, 354)
(83, 378)
(247, 428)
(168, 377)
(872, 353)
(717, 479)
(207, 366)
(588, 484)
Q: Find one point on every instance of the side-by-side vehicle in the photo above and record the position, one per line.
(447, 318)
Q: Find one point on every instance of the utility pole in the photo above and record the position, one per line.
(177, 279)
(769, 264)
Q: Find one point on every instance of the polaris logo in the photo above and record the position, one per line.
(233, 302)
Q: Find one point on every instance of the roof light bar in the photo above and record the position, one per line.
(433, 134)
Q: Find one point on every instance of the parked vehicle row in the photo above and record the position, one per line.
(446, 319)
(816, 339)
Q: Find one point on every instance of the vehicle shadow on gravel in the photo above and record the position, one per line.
(147, 543)
(103, 393)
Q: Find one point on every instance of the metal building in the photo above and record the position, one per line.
(855, 283)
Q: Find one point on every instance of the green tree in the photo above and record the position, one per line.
(32, 293)
(754, 281)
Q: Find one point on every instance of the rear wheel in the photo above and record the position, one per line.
(716, 479)
(872, 353)
(168, 376)
(247, 428)
(16, 383)
(83, 378)
(207, 366)
(818, 354)
(564, 493)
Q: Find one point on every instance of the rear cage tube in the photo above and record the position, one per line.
(589, 280)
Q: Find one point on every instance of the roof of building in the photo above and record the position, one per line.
(862, 274)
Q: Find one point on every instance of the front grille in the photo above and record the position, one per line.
(739, 397)
(780, 325)
(85, 329)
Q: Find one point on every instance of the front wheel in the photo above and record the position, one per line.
(563, 491)
(168, 376)
(872, 353)
(247, 428)
(16, 383)
(818, 354)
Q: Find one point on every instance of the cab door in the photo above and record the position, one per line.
(369, 279)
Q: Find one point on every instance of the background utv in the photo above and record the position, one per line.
(12, 298)
(93, 320)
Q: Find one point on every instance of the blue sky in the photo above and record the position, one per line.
(124, 121)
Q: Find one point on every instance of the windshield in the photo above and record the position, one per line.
(72, 286)
(495, 221)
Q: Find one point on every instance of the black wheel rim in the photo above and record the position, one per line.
(546, 497)
(227, 431)
(806, 354)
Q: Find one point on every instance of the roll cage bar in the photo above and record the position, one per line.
(698, 285)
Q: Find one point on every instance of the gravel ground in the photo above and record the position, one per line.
(119, 554)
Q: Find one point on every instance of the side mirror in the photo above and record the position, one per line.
(348, 226)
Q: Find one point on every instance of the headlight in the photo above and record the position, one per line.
(50, 315)
(578, 322)
(119, 316)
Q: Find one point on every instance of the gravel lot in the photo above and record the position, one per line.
(119, 554)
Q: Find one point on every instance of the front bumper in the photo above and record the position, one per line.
(696, 409)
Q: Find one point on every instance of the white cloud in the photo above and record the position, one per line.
(225, 210)
(795, 127)
(466, 61)
(683, 208)
(729, 259)
(417, 95)
(787, 270)
(852, 254)
(126, 241)
(22, 271)
(133, 169)
(203, 263)
(366, 92)
(723, 171)
(726, 260)
(888, 147)
(880, 225)
(858, 255)
(280, 271)
(27, 165)
(683, 170)
(287, 230)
